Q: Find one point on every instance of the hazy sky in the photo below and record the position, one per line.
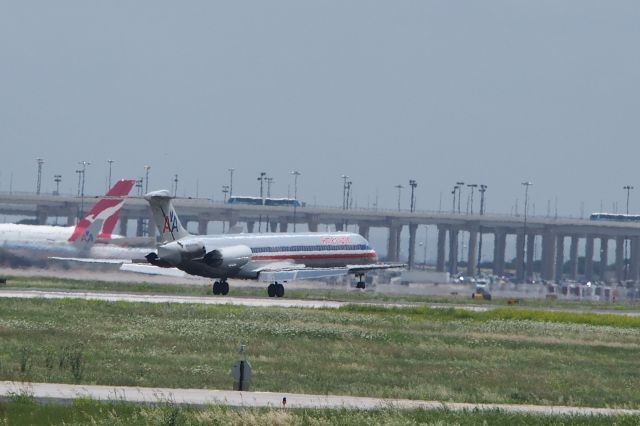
(492, 92)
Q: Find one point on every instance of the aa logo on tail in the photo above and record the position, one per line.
(170, 223)
(87, 237)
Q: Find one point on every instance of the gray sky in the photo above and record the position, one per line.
(492, 92)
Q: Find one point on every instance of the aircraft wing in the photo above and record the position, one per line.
(286, 272)
(90, 260)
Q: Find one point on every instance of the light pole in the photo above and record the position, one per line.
(175, 185)
(83, 172)
(399, 194)
(40, 162)
(459, 185)
(231, 181)
(110, 164)
(139, 186)
(295, 174)
(349, 193)
(57, 179)
(628, 188)
(526, 205)
(146, 179)
(453, 192)
(413, 184)
(344, 191)
(262, 178)
(473, 186)
(270, 181)
(225, 191)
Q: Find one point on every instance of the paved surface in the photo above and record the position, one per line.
(63, 393)
(154, 298)
(259, 301)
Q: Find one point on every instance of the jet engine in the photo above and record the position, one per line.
(175, 252)
(228, 257)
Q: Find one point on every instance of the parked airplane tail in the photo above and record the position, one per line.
(107, 209)
(165, 216)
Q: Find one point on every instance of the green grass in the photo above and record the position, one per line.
(501, 356)
(251, 289)
(27, 412)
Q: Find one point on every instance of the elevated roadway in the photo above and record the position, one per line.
(551, 233)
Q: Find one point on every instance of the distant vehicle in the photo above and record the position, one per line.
(481, 293)
(257, 201)
(615, 217)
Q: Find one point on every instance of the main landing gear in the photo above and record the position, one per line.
(221, 287)
(360, 283)
(275, 289)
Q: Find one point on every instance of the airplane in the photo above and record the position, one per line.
(273, 258)
(49, 240)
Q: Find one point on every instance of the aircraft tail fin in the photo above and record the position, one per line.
(165, 216)
(107, 209)
(88, 236)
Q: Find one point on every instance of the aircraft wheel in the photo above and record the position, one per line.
(271, 290)
(279, 290)
(224, 288)
(360, 284)
(216, 288)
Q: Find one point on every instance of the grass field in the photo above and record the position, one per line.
(337, 293)
(24, 411)
(504, 355)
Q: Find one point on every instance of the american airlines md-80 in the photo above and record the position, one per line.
(274, 258)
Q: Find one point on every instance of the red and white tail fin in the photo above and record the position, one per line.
(106, 209)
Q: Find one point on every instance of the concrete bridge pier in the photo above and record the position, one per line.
(250, 226)
(413, 228)
(124, 221)
(604, 257)
(588, 259)
(363, 229)
(573, 257)
(442, 241)
(635, 259)
(531, 239)
(472, 255)
(619, 259)
(312, 224)
(499, 247)
(392, 243)
(340, 226)
(453, 250)
(283, 227)
(71, 217)
(559, 258)
(548, 256)
(203, 226)
(520, 241)
(41, 215)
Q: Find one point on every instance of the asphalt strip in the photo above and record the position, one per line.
(64, 393)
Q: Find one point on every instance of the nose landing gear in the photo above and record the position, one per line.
(360, 283)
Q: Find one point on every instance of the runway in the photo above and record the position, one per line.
(155, 298)
(64, 393)
(9, 293)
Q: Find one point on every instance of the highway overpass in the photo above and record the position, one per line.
(552, 233)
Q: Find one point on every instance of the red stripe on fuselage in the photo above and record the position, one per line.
(368, 255)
